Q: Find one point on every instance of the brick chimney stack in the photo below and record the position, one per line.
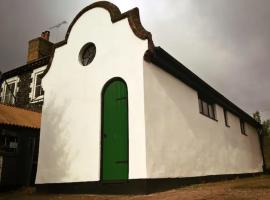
(45, 35)
(39, 47)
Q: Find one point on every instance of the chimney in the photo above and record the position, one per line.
(45, 35)
(39, 47)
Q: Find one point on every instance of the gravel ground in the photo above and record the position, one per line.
(239, 189)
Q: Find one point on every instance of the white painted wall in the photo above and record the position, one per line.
(71, 116)
(167, 135)
(181, 142)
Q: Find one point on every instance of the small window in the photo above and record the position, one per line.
(37, 92)
(207, 108)
(9, 90)
(9, 144)
(9, 97)
(38, 89)
(211, 111)
(87, 54)
(200, 106)
(226, 117)
(243, 128)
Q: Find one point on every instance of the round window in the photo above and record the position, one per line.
(87, 53)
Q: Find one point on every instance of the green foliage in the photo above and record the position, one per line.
(265, 124)
(266, 127)
(257, 116)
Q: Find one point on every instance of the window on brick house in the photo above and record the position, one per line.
(9, 94)
(38, 88)
(9, 90)
(243, 127)
(37, 91)
(8, 143)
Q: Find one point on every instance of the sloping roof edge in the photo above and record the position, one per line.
(169, 64)
(14, 116)
(27, 67)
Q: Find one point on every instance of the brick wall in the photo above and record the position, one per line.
(38, 48)
(22, 97)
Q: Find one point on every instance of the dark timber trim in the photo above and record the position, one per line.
(133, 17)
(135, 186)
(169, 64)
(261, 140)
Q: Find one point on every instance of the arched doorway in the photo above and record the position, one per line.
(114, 131)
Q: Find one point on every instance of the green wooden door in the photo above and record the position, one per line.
(115, 131)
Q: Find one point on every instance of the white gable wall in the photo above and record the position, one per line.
(181, 142)
(71, 117)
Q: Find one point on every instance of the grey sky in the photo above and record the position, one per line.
(225, 42)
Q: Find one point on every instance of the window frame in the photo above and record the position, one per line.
(87, 54)
(13, 80)
(226, 118)
(209, 105)
(6, 148)
(33, 85)
(243, 127)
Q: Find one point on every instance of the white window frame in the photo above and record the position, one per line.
(6, 82)
(32, 94)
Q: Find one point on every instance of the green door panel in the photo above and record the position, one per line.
(115, 131)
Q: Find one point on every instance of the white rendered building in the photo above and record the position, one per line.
(118, 108)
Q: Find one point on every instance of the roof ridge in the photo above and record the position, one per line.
(44, 60)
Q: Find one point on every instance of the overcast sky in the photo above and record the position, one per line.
(225, 42)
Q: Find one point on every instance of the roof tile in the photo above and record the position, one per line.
(15, 116)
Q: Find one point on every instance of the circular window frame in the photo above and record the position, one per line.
(89, 48)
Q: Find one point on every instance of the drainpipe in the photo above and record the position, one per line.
(261, 139)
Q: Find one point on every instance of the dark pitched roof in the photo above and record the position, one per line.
(168, 63)
(27, 67)
(14, 116)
